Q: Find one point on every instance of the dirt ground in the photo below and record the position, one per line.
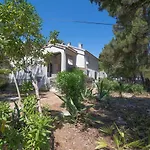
(73, 138)
(69, 137)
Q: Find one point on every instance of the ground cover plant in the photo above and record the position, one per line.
(24, 128)
(126, 123)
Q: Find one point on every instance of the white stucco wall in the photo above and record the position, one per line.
(63, 55)
(80, 60)
(92, 65)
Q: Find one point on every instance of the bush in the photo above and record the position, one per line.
(4, 79)
(113, 85)
(36, 132)
(27, 87)
(72, 84)
(24, 128)
(30, 105)
(133, 88)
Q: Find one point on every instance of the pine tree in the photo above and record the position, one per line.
(130, 48)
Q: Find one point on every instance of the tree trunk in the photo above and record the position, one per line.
(35, 85)
(17, 88)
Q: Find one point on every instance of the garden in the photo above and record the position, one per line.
(108, 114)
(103, 115)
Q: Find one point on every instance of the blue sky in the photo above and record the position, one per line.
(93, 37)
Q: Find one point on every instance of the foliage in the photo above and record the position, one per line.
(69, 105)
(101, 144)
(26, 87)
(120, 139)
(102, 89)
(29, 105)
(36, 133)
(22, 31)
(4, 78)
(127, 54)
(53, 38)
(47, 57)
(87, 93)
(4, 71)
(24, 128)
(109, 85)
(4, 112)
(72, 84)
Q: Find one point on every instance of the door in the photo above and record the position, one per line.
(49, 70)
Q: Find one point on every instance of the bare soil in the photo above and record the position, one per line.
(69, 136)
(73, 138)
(116, 109)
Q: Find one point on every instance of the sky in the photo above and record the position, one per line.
(93, 37)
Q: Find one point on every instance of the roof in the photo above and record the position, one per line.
(70, 47)
(61, 46)
(81, 49)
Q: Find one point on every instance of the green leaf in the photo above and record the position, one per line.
(101, 143)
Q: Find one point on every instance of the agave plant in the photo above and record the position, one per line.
(87, 93)
(102, 92)
(120, 139)
(69, 105)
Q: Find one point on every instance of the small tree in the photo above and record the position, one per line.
(72, 85)
(20, 26)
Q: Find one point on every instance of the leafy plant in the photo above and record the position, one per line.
(101, 90)
(4, 79)
(24, 128)
(87, 93)
(69, 105)
(101, 144)
(27, 87)
(5, 111)
(37, 132)
(29, 105)
(120, 139)
(108, 130)
(72, 84)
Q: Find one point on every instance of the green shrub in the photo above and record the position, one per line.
(113, 85)
(72, 84)
(4, 79)
(26, 87)
(37, 132)
(137, 88)
(29, 105)
(132, 88)
(5, 111)
(103, 89)
(24, 128)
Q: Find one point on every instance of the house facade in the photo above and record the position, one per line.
(67, 56)
(64, 57)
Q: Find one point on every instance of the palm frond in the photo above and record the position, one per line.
(107, 130)
(101, 143)
(134, 144)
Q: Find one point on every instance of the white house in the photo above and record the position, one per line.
(64, 58)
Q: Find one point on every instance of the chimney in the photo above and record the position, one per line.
(80, 46)
(69, 44)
